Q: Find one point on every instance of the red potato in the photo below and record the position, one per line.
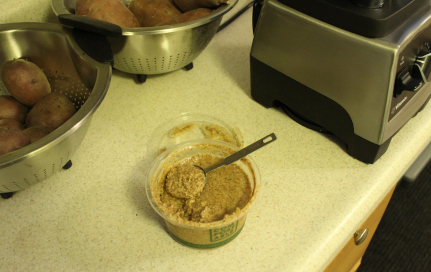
(37, 133)
(10, 108)
(152, 12)
(11, 123)
(12, 139)
(112, 11)
(187, 16)
(187, 5)
(51, 111)
(25, 81)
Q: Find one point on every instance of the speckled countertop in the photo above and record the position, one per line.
(96, 217)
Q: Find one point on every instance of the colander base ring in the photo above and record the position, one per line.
(67, 165)
(6, 195)
(142, 77)
(188, 66)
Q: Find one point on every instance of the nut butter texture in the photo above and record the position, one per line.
(185, 180)
(227, 191)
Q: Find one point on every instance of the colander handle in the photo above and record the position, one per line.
(95, 45)
(90, 25)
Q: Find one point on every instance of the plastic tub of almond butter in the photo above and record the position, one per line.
(211, 217)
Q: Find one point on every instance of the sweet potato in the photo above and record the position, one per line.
(25, 81)
(187, 5)
(11, 123)
(153, 12)
(10, 108)
(12, 139)
(37, 133)
(51, 111)
(112, 11)
(187, 16)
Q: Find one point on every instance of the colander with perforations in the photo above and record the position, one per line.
(70, 71)
(149, 50)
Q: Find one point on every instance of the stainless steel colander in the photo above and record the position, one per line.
(153, 50)
(70, 71)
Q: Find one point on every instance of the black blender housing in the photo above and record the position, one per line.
(368, 18)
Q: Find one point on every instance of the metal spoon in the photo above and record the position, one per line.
(239, 154)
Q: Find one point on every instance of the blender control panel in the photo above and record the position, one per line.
(413, 72)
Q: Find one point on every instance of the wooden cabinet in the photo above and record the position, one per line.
(349, 258)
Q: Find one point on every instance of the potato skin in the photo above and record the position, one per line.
(152, 12)
(10, 108)
(11, 123)
(187, 5)
(12, 139)
(38, 132)
(112, 11)
(25, 81)
(187, 16)
(52, 110)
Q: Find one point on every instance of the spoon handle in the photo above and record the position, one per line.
(244, 152)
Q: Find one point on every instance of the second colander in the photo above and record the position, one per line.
(149, 50)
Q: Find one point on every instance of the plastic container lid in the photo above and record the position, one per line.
(192, 126)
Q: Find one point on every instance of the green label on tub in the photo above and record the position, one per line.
(224, 232)
(216, 237)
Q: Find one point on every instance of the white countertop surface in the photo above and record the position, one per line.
(96, 217)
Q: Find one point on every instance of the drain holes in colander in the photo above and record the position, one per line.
(121, 63)
(170, 62)
(26, 181)
(148, 64)
(74, 99)
(133, 64)
(81, 96)
(151, 65)
(140, 65)
(37, 179)
(155, 64)
(17, 185)
(71, 87)
(176, 60)
(184, 57)
(6, 188)
(180, 60)
(125, 64)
